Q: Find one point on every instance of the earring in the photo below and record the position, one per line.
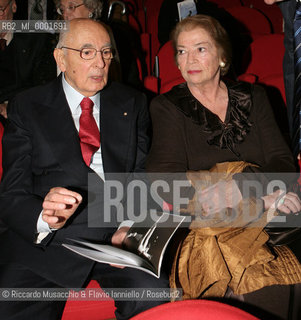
(222, 64)
(90, 15)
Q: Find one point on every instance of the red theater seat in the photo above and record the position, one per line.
(272, 12)
(276, 81)
(168, 72)
(168, 69)
(253, 20)
(194, 310)
(264, 56)
(152, 9)
(168, 85)
(89, 310)
(227, 3)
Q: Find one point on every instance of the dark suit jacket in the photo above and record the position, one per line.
(22, 10)
(41, 150)
(200, 140)
(288, 9)
(26, 62)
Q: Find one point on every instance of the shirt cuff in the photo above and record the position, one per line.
(42, 226)
(43, 229)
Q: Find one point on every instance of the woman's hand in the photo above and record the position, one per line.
(284, 202)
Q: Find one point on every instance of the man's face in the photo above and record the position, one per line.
(80, 11)
(9, 8)
(85, 76)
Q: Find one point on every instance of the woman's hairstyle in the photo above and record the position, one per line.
(95, 6)
(214, 29)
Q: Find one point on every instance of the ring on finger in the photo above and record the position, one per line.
(281, 201)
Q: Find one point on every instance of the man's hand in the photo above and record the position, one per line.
(119, 236)
(59, 205)
(117, 240)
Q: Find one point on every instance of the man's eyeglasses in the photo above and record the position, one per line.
(60, 10)
(2, 10)
(90, 53)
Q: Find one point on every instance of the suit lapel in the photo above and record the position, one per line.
(115, 122)
(58, 126)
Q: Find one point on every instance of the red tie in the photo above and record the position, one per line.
(2, 44)
(88, 131)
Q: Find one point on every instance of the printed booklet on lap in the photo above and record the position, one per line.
(143, 247)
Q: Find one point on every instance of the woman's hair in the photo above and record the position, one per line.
(95, 6)
(214, 29)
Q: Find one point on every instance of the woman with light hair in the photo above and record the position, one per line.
(206, 131)
(70, 9)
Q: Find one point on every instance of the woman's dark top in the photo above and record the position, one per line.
(189, 137)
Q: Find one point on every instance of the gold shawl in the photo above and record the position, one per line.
(211, 259)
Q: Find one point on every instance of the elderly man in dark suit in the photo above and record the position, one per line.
(47, 160)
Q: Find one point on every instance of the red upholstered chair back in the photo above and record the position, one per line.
(152, 9)
(133, 16)
(168, 85)
(253, 20)
(272, 12)
(194, 310)
(168, 70)
(275, 80)
(227, 3)
(264, 56)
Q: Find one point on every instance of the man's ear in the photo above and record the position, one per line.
(59, 57)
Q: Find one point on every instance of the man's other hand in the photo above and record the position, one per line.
(117, 240)
(119, 236)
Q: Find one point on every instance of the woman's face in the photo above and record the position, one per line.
(198, 57)
(71, 11)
